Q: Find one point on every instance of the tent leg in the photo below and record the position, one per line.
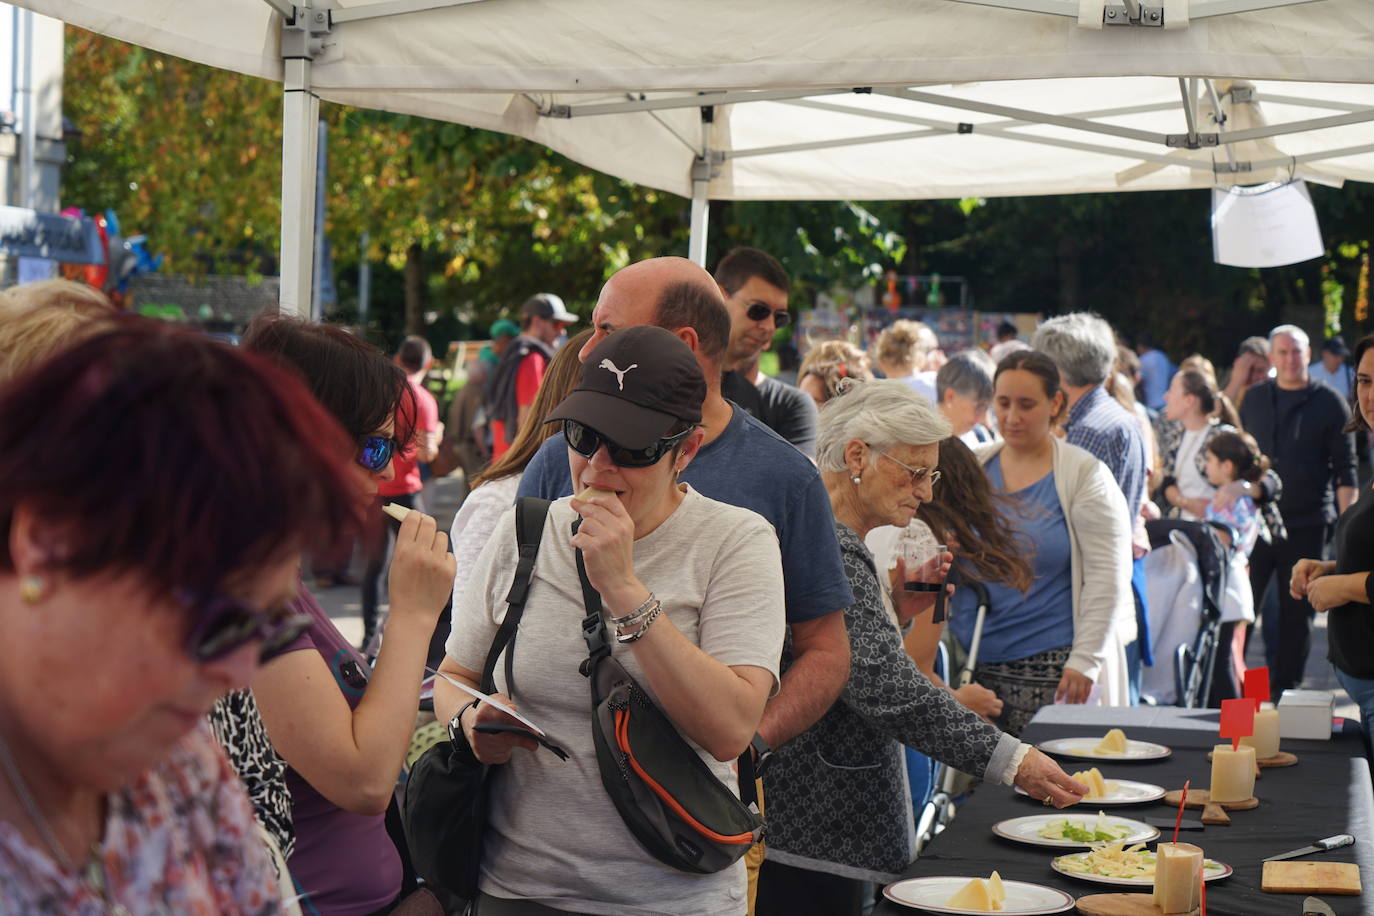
(701, 208)
(300, 117)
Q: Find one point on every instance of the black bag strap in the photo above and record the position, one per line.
(530, 513)
(599, 649)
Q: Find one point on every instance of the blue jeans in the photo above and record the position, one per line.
(1361, 691)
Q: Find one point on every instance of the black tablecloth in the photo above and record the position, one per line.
(1327, 793)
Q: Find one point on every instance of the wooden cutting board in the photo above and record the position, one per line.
(1310, 878)
(1119, 905)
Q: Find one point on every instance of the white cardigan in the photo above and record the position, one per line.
(1100, 539)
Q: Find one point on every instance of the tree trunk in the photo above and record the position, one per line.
(415, 289)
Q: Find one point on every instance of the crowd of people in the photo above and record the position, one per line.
(768, 565)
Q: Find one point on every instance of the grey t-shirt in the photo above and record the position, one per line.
(554, 836)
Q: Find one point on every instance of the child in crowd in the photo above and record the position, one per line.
(1233, 456)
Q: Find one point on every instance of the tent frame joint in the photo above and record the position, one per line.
(303, 34)
(1131, 12)
(1192, 141)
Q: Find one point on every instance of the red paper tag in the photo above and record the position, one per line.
(1237, 720)
(1257, 685)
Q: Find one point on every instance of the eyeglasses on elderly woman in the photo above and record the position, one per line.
(585, 441)
(917, 474)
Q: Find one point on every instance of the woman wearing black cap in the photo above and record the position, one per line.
(701, 585)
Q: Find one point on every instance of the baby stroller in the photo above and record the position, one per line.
(1188, 638)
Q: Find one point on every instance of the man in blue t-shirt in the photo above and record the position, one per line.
(744, 463)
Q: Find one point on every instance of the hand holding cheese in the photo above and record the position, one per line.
(980, 896)
(1098, 787)
(1114, 742)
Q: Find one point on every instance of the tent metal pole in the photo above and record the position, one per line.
(300, 115)
(1279, 162)
(1189, 100)
(1294, 127)
(1220, 118)
(1039, 117)
(1004, 123)
(686, 101)
(394, 8)
(302, 37)
(701, 208)
(1201, 9)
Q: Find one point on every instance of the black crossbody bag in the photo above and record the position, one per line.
(674, 805)
(444, 809)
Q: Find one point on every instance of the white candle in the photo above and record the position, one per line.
(1265, 740)
(1233, 773)
(1178, 877)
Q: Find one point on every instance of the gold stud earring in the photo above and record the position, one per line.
(32, 588)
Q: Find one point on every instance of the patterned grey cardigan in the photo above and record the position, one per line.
(837, 796)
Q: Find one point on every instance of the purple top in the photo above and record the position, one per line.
(346, 863)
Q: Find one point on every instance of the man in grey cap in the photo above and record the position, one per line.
(521, 369)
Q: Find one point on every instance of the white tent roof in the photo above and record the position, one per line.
(959, 97)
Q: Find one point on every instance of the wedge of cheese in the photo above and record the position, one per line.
(1114, 742)
(1098, 787)
(979, 896)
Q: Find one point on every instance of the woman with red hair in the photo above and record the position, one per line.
(156, 488)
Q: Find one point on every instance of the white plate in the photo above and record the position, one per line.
(1027, 829)
(1083, 747)
(1128, 792)
(1214, 872)
(930, 894)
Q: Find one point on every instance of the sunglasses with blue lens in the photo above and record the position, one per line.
(375, 452)
(585, 441)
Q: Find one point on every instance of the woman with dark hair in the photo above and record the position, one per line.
(1065, 635)
(152, 558)
(1189, 422)
(343, 729)
(1343, 588)
(972, 519)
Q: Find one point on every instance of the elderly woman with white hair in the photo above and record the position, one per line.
(839, 811)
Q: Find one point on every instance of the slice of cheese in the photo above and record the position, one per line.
(975, 896)
(593, 491)
(1097, 786)
(998, 892)
(396, 511)
(1114, 742)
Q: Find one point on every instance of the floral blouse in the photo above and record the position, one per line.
(178, 840)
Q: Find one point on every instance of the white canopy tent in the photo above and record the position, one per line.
(801, 99)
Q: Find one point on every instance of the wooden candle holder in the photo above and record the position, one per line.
(1212, 812)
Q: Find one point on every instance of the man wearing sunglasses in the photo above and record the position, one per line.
(743, 463)
(755, 288)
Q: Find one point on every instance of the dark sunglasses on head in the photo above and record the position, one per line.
(374, 452)
(758, 311)
(224, 625)
(585, 441)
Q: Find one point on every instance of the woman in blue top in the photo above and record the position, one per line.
(1065, 636)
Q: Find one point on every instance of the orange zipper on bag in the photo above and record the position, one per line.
(622, 738)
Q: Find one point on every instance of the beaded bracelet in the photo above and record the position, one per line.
(621, 622)
(624, 638)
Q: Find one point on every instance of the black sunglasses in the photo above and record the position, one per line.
(758, 311)
(224, 625)
(375, 452)
(585, 441)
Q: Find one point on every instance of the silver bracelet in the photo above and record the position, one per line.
(624, 638)
(620, 622)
